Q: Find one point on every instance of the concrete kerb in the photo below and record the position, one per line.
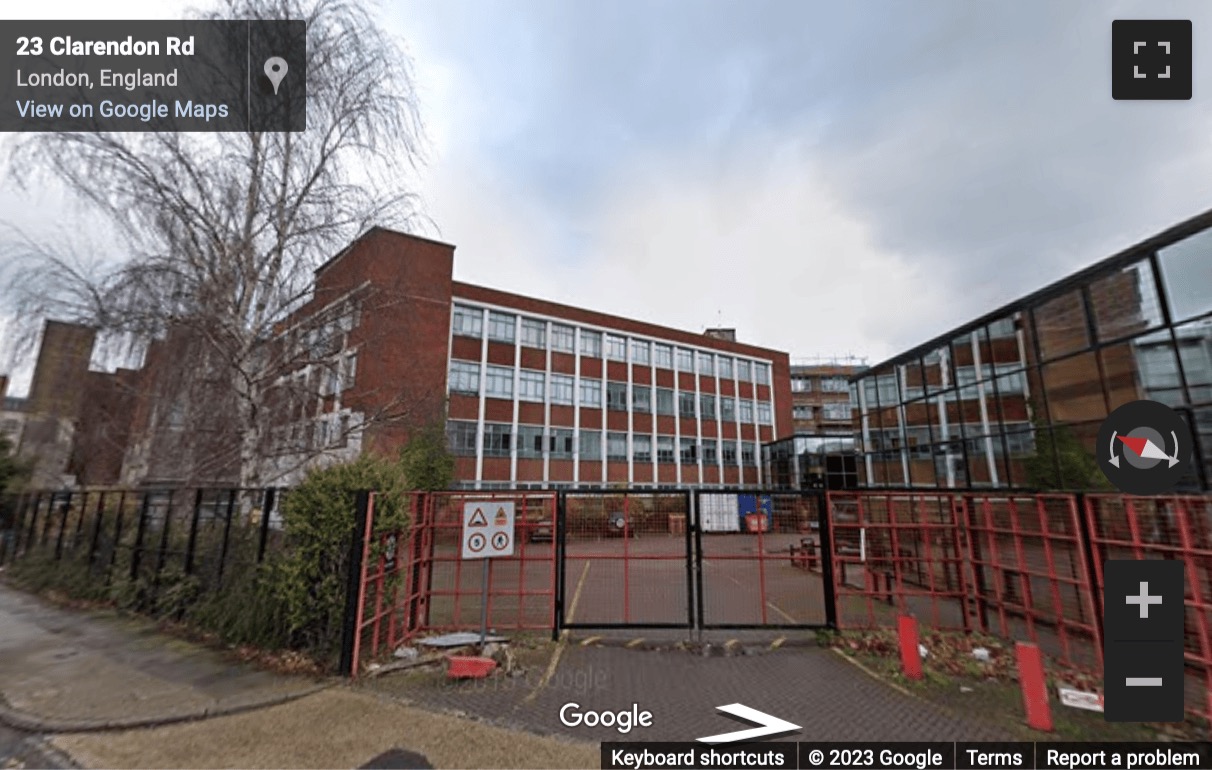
(20, 720)
(729, 647)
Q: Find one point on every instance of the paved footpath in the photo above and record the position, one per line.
(95, 689)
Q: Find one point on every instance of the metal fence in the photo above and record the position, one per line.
(1025, 567)
(143, 537)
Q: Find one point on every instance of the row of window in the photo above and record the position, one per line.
(836, 411)
(561, 389)
(502, 327)
(802, 383)
(500, 440)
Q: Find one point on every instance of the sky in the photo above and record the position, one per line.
(830, 178)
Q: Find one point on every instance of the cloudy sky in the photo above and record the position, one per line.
(828, 177)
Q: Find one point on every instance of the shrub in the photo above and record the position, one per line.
(306, 580)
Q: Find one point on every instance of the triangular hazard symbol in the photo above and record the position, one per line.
(502, 518)
(477, 519)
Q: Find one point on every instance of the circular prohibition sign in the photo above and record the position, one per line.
(476, 542)
(499, 541)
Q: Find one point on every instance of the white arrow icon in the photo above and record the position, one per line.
(768, 725)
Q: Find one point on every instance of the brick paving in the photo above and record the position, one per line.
(811, 686)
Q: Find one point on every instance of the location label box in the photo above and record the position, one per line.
(135, 76)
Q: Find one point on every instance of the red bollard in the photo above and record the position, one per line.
(1035, 688)
(911, 658)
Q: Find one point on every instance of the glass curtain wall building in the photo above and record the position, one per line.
(1015, 399)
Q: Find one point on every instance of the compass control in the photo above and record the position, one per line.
(1144, 448)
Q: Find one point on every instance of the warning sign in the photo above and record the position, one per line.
(485, 540)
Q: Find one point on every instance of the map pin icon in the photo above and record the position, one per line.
(275, 70)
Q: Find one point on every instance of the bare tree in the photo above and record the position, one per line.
(224, 230)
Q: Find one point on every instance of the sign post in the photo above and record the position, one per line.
(487, 534)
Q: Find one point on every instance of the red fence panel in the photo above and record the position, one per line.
(1030, 575)
(899, 552)
(1179, 528)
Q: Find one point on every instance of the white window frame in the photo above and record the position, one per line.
(590, 393)
(502, 326)
(464, 378)
(496, 375)
(534, 333)
(563, 338)
(641, 352)
(616, 347)
(563, 389)
(531, 385)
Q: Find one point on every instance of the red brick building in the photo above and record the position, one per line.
(534, 393)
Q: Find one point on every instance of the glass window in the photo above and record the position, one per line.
(1125, 303)
(530, 385)
(685, 360)
(706, 363)
(1186, 269)
(461, 436)
(562, 338)
(640, 352)
(764, 413)
(707, 406)
(746, 410)
(710, 451)
(591, 392)
(729, 452)
(685, 403)
(688, 453)
(762, 373)
(591, 445)
(591, 344)
(501, 326)
(465, 378)
(616, 446)
(641, 398)
(641, 448)
(664, 449)
(725, 363)
(561, 442)
(561, 388)
(664, 401)
(499, 382)
(662, 356)
(530, 441)
(801, 412)
(801, 384)
(727, 408)
(834, 385)
(497, 439)
(534, 333)
(1195, 349)
(349, 371)
(468, 321)
(616, 396)
(616, 347)
(1074, 390)
(1060, 325)
(836, 411)
(748, 455)
(743, 370)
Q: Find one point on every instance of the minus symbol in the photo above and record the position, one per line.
(1144, 681)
